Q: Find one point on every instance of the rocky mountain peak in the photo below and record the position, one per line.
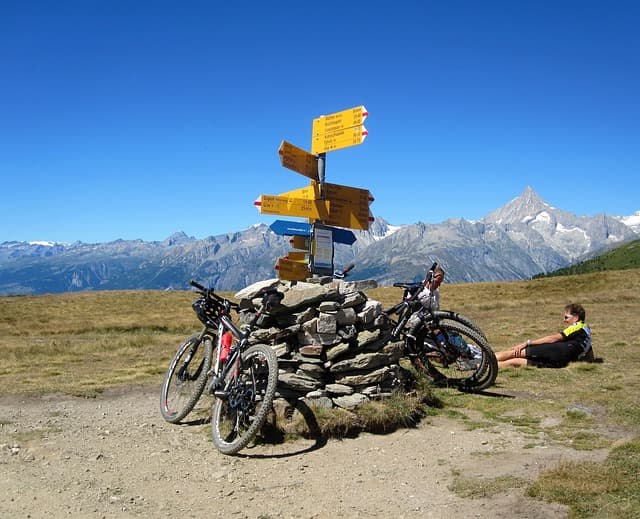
(177, 238)
(525, 207)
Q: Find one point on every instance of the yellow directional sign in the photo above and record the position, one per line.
(340, 120)
(324, 142)
(342, 206)
(345, 218)
(292, 270)
(349, 206)
(310, 192)
(348, 194)
(339, 130)
(289, 206)
(300, 242)
(298, 160)
(298, 255)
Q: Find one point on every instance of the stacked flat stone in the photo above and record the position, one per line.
(333, 343)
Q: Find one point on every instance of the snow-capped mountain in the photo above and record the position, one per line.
(632, 221)
(525, 237)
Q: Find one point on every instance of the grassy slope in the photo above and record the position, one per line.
(626, 256)
(81, 343)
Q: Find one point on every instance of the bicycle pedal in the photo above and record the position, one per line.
(212, 386)
(221, 393)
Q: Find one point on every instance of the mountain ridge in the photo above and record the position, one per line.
(523, 238)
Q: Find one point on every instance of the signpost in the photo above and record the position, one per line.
(325, 205)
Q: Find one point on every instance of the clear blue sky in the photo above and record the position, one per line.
(136, 119)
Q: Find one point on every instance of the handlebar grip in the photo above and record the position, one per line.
(348, 269)
(197, 285)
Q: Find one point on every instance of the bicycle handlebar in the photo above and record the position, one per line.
(208, 292)
(348, 269)
(197, 285)
(341, 274)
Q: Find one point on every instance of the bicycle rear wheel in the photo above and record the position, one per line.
(458, 317)
(472, 371)
(238, 416)
(185, 378)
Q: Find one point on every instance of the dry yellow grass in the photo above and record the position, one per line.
(82, 343)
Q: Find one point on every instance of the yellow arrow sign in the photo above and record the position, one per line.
(300, 242)
(298, 160)
(288, 206)
(348, 194)
(340, 120)
(298, 255)
(339, 130)
(347, 206)
(292, 270)
(324, 142)
(310, 192)
(346, 218)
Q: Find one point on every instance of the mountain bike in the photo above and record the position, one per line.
(243, 377)
(448, 347)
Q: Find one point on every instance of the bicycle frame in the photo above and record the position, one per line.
(226, 324)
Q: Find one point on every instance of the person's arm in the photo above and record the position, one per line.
(554, 337)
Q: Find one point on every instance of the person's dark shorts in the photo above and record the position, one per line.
(552, 355)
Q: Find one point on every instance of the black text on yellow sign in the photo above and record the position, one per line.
(339, 130)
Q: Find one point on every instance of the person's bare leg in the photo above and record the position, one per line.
(514, 363)
(507, 354)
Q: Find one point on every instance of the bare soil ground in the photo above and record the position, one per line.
(114, 456)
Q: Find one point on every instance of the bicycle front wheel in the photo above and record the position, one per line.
(185, 379)
(472, 371)
(239, 414)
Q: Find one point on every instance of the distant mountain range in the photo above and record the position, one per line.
(523, 238)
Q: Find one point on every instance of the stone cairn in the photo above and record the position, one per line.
(333, 344)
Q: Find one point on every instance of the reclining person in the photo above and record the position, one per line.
(555, 350)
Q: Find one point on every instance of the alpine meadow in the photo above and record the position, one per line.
(83, 343)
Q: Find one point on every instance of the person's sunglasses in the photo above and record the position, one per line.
(567, 317)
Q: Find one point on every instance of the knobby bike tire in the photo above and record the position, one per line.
(239, 416)
(442, 316)
(458, 317)
(184, 382)
(477, 379)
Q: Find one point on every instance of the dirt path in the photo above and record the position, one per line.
(114, 456)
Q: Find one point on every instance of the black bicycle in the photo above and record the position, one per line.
(243, 377)
(448, 347)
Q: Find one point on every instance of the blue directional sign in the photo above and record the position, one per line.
(286, 228)
(343, 236)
